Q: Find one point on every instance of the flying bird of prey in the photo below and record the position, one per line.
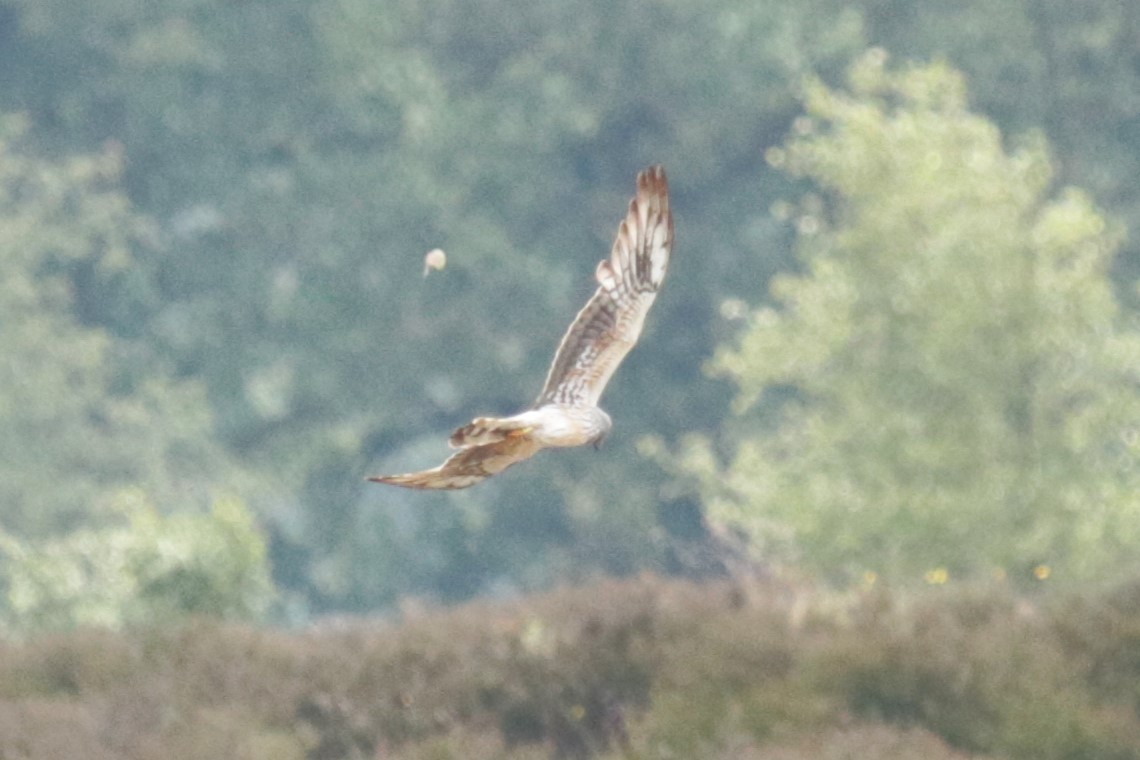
(566, 412)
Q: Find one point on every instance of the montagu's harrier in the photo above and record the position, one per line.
(566, 412)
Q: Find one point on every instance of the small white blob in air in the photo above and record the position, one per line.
(435, 259)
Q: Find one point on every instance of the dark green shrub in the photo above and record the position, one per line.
(980, 668)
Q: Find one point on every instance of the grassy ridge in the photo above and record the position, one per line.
(642, 669)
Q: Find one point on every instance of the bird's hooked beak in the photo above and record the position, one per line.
(597, 442)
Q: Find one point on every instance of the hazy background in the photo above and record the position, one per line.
(213, 324)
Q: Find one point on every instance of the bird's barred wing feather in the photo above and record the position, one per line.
(469, 466)
(599, 338)
(610, 323)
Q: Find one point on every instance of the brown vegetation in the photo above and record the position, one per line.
(636, 669)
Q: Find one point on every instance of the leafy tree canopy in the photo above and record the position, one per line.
(294, 161)
(948, 381)
(77, 425)
(146, 569)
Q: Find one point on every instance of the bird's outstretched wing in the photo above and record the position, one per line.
(610, 323)
(599, 338)
(469, 466)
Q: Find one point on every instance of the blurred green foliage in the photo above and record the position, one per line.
(83, 413)
(148, 569)
(227, 297)
(955, 385)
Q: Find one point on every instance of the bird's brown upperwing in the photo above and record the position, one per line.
(469, 466)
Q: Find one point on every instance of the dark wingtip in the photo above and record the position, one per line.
(653, 175)
(652, 182)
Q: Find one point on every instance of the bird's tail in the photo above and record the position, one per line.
(484, 430)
